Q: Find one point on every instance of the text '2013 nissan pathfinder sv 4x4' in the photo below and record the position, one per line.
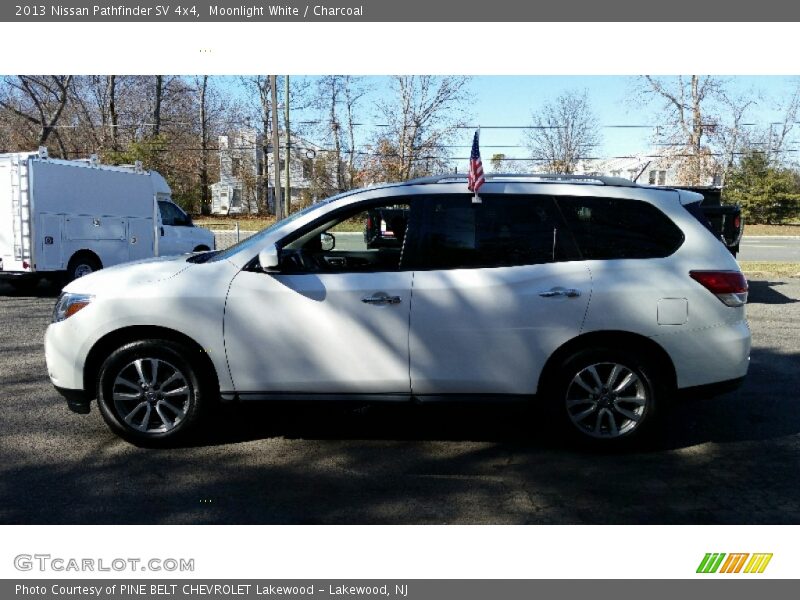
(594, 296)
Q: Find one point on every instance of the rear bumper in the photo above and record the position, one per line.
(708, 357)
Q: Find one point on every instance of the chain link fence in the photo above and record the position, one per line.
(226, 233)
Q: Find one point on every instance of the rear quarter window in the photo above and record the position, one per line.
(610, 228)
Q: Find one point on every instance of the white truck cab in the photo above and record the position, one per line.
(72, 217)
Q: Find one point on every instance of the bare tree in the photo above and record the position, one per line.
(688, 105)
(39, 100)
(777, 137)
(732, 135)
(424, 114)
(337, 97)
(563, 132)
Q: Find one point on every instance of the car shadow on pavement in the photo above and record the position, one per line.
(760, 409)
(732, 459)
(43, 289)
(764, 292)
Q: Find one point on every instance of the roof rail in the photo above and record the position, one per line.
(532, 178)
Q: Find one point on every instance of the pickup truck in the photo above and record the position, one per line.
(724, 220)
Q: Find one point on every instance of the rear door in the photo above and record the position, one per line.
(498, 287)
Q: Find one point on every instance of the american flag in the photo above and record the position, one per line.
(475, 179)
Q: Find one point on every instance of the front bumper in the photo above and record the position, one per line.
(78, 401)
(64, 361)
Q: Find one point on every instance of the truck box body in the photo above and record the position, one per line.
(51, 210)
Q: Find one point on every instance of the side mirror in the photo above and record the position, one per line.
(327, 241)
(268, 259)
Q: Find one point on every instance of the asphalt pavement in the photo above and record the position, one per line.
(730, 460)
(769, 249)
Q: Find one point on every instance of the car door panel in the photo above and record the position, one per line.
(498, 290)
(490, 331)
(314, 333)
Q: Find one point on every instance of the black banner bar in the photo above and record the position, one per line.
(191, 11)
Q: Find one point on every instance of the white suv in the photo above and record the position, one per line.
(594, 296)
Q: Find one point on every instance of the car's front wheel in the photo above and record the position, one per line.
(607, 396)
(150, 393)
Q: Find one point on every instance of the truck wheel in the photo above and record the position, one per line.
(82, 264)
(150, 394)
(607, 397)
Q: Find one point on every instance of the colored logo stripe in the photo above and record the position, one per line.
(733, 564)
(758, 563)
(710, 563)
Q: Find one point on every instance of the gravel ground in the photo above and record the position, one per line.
(732, 459)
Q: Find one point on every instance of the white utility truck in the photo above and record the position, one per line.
(67, 218)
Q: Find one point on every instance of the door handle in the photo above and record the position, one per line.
(569, 293)
(381, 299)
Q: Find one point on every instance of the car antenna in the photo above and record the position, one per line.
(647, 164)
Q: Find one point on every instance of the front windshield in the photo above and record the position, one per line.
(255, 240)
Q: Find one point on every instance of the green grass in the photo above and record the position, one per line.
(770, 269)
(753, 229)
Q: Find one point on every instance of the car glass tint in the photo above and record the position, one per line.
(499, 231)
(608, 228)
(167, 213)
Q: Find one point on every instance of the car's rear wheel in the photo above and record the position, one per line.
(608, 397)
(151, 394)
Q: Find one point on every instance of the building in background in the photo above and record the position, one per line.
(241, 190)
(650, 170)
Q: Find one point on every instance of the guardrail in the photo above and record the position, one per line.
(226, 233)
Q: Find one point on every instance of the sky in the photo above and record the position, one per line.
(508, 101)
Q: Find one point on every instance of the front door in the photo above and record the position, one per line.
(333, 320)
(175, 231)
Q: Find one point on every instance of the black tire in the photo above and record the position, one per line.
(82, 263)
(153, 411)
(607, 415)
(201, 249)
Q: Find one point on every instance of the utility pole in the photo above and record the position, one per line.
(288, 195)
(276, 150)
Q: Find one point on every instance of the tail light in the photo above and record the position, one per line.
(729, 286)
(737, 221)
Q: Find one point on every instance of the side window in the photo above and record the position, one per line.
(500, 231)
(167, 214)
(608, 228)
(171, 214)
(366, 238)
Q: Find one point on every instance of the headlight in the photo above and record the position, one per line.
(68, 304)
